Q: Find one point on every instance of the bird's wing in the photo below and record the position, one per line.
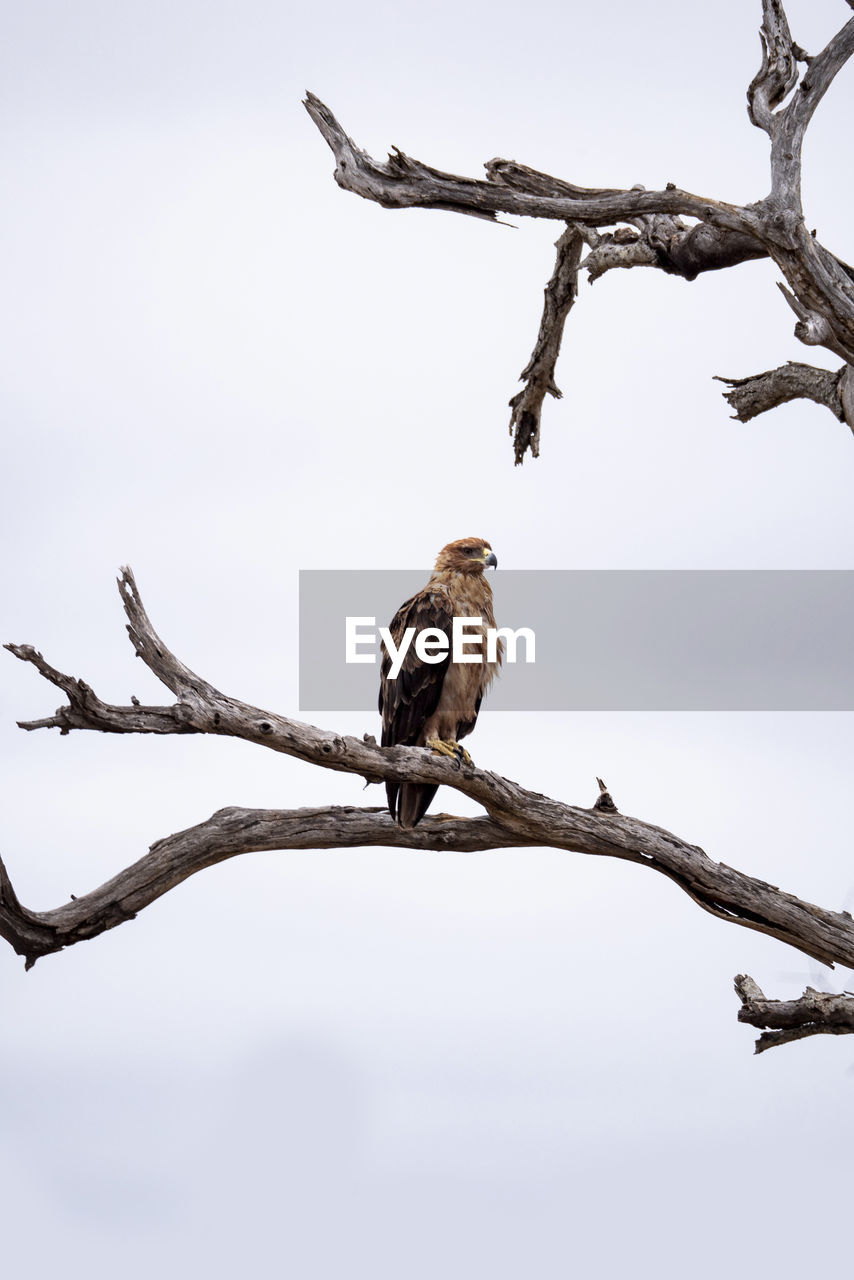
(406, 702)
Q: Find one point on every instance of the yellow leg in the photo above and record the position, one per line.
(450, 748)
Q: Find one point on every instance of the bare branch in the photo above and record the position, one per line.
(846, 390)
(792, 381)
(776, 77)
(673, 247)
(814, 1013)
(538, 375)
(404, 183)
(228, 833)
(778, 73)
(521, 177)
(85, 709)
(690, 251)
(820, 286)
(517, 816)
(660, 240)
(814, 328)
(790, 124)
(623, 249)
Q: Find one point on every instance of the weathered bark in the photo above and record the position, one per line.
(538, 375)
(780, 102)
(815, 1013)
(226, 834)
(678, 250)
(404, 183)
(793, 381)
(516, 817)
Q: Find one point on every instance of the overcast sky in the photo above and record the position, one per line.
(221, 369)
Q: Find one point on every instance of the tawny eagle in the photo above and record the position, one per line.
(434, 704)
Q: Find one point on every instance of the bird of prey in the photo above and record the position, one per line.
(434, 704)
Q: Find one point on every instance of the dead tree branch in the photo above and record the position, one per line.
(650, 230)
(815, 1013)
(671, 245)
(792, 381)
(538, 375)
(226, 834)
(778, 73)
(515, 816)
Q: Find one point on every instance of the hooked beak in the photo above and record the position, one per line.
(491, 561)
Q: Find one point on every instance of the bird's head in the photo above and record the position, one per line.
(466, 555)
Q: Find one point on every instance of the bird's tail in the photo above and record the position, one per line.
(409, 801)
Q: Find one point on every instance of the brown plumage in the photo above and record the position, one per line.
(437, 702)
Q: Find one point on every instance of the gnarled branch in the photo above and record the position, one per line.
(226, 834)
(515, 816)
(650, 230)
(401, 182)
(792, 381)
(815, 1013)
(778, 73)
(672, 246)
(788, 126)
(538, 375)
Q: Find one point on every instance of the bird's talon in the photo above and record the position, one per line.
(449, 748)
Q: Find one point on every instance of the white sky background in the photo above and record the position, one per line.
(220, 368)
